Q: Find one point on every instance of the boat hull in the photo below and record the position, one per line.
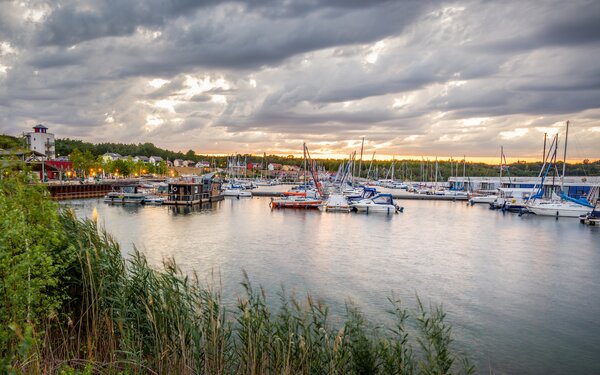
(307, 204)
(384, 208)
(237, 193)
(483, 199)
(125, 198)
(558, 211)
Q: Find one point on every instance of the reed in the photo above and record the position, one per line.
(122, 316)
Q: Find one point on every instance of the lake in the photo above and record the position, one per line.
(522, 293)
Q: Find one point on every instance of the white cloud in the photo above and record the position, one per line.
(515, 133)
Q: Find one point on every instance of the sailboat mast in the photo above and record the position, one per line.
(501, 160)
(545, 138)
(362, 146)
(436, 171)
(370, 165)
(304, 150)
(562, 181)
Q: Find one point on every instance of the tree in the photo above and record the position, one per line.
(190, 155)
(83, 162)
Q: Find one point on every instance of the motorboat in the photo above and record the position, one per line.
(368, 192)
(483, 199)
(378, 203)
(154, 200)
(511, 199)
(590, 218)
(335, 203)
(296, 201)
(126, 195)
(452, 193)
(237, 192)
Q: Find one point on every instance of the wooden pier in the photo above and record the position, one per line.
(79, 191)
(408, 196)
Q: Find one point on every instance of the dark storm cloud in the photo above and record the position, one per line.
(575, 26)
(71, 24)
(253, 40)
(225, 71)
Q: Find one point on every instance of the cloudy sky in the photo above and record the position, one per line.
(416, 78)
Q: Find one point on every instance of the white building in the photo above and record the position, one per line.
(41, 141)
(155, 159)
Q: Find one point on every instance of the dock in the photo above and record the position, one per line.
(399, 196)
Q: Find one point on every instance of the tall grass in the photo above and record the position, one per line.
(123, 316)
(126, 316)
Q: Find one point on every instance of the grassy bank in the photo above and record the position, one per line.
(70, 303)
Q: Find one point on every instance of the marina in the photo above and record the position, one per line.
(518, 304)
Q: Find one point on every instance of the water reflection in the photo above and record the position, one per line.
(186, 210)
(521, 292)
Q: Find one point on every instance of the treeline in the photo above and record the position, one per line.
(66, 147)
(403, 169)
(8, 142)
(71, 304)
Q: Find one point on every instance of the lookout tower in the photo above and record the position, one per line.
(41, 141)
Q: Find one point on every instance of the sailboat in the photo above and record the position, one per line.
(491, 198)
(562, 205)
(306, 198)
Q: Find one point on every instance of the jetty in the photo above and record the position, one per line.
(403, 195)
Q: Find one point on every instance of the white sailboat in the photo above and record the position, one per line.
(564, 205)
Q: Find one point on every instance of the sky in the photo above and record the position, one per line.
(415, 78)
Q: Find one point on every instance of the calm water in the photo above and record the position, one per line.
(522, 293)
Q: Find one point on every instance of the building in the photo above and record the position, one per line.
(574, 186)
(274, 166)
(143, 159)
(203, 164)
(290, 168)
(41, 141)
(178, 163)
(111, 156)
(155, 159)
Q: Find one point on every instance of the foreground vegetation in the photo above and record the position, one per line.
(70, 303)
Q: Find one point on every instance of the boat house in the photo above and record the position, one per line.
(193, 190)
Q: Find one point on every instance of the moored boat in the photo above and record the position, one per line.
(511, 199)
(558, 209)
(128, 194)
(154, 200)
(295, 201)
(590, 218)
(483, 199)
(336, 203)
(379, 203)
